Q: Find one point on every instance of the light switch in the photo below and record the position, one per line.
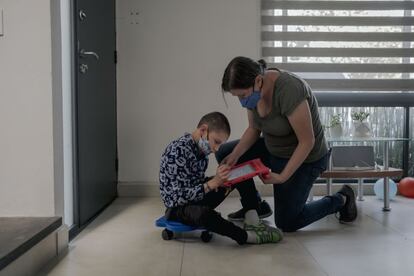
(1, 23)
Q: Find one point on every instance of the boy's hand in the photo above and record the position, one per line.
(221, 176)
(222, 173)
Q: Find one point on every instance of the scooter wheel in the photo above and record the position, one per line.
(167, 234)
(206, 236)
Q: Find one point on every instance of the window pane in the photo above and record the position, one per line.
(383, 121)
(411, 148)
(317, 28)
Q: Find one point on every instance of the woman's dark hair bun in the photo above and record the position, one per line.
(241, 73)
(262, 63)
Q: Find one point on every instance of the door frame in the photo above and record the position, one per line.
(75, 229)
(62, 91)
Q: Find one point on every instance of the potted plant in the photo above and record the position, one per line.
(361, 127)
(335, 126)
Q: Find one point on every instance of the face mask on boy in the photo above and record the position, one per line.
(204, 145)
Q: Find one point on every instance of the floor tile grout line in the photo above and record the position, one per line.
(313, 257)
(388, 227)
(379, 222)
(373, 219)
(182, 258)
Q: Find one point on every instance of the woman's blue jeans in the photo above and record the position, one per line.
(291, 210)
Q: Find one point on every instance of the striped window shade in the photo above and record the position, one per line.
(342, 46)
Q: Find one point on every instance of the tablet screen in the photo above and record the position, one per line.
(243, 170)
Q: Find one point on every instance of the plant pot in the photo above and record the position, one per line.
(361, 129)
(336, 131)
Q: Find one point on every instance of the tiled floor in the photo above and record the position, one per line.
(124, 241)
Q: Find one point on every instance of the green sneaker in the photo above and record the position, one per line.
(265, 233)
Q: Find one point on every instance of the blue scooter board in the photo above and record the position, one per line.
(174, 226)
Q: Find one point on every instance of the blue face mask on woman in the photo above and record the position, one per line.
(251, 101)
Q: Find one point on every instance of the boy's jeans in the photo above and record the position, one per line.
(202, 213)
(291, 210)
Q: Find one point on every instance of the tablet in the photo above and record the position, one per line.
(246, 171)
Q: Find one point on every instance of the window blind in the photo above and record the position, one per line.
(342, 46)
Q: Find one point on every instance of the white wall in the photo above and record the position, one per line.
(171, 59)
(26, 139)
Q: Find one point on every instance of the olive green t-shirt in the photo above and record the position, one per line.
(280, 139)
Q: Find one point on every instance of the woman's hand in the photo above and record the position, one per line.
(230, 160)
(272, 178)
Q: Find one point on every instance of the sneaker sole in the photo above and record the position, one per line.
(260, 217)
(353, 205)
(280, 233)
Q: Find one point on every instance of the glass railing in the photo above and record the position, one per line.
(383, 122)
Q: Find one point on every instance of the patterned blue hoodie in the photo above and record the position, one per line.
(182, 172)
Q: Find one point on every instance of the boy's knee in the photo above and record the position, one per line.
(207, 215)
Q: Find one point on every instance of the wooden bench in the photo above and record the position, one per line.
(355, 174)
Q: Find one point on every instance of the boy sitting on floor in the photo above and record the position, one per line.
(190, 197)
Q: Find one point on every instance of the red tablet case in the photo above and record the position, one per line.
(259, 169)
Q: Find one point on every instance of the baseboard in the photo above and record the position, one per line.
(138, 189)
(151, 189)
(321, 189)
